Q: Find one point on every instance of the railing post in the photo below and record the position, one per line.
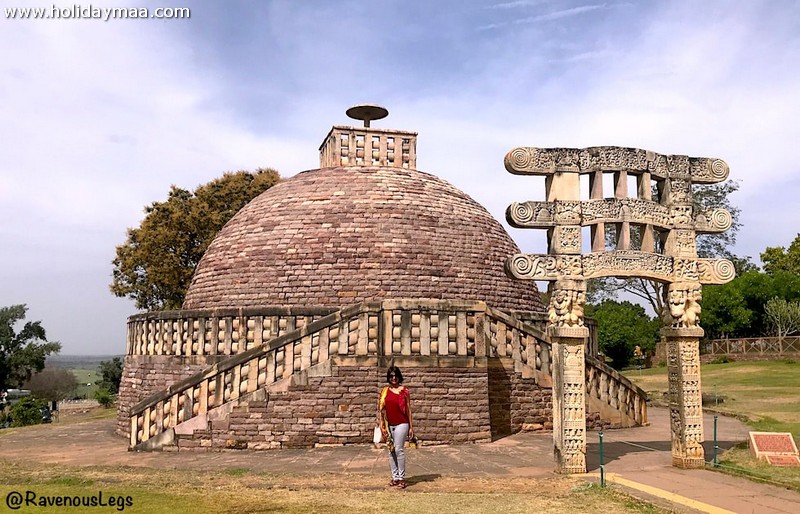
(480, 335)
(385, 331)
(134, 430)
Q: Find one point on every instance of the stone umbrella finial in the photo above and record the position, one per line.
(367, 113)
(366, 146)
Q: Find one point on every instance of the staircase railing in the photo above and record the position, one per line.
(615, 390)
(302, 339)
(253, 369)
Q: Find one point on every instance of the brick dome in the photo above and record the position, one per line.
(336, 236)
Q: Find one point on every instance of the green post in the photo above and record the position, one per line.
(602, 467)
(715, 442)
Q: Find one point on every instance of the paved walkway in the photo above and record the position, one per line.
(637, 459)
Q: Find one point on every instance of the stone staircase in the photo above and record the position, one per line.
(222, 406)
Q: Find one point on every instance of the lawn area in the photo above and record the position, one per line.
(85, 377)
(765, 394)
(240, 490)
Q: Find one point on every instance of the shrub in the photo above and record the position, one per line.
(27, 411)
(104, 398)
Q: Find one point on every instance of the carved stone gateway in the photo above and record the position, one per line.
(654, 239)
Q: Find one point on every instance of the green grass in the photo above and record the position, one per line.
(86, 376)
(237, 490)
(738, 461)
(765, 394)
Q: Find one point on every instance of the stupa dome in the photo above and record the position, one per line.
(339, 235)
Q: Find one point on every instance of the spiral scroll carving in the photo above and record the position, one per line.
(521, 212)
(520, 266)
(719, 170)
(715, 271)
(519, 158)
(724, 270)
(721, 219)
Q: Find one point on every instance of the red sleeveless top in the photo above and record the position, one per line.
(397, 406)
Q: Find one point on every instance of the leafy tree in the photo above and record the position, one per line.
(725, 311)
(111, 371)
(705, 196)
(156, 263)
(783, 317)
(21, 353)
(52, 384)
(737, 309)
(778, 258)
(621, 326)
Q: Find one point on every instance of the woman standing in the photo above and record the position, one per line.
(394, 418)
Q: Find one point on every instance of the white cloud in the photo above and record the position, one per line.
(102, 117)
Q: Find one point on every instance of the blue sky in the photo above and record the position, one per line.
(99, 118)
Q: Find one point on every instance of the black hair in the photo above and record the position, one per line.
(394, 370)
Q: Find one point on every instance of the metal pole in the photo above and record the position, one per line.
(716, 447)
(602, 467)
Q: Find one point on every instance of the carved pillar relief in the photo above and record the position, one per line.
(685, 398)
(569, 398)
(567, 298)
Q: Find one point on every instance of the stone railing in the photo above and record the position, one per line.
(616, 391)
(752, 346)
(269, 345)
(215, 331)
(362, 146)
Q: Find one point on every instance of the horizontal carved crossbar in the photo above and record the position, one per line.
(628, 263)
(585, 213)
(547, 161)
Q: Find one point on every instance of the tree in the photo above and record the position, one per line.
(737, 309)
(52, 384)
(21, 353)
(778, 258)
(725, 311)
(622, 326)
(783, 317)
(111, 371)
(155, 264)
(705, 197)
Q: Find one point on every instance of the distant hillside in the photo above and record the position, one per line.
(78, 361)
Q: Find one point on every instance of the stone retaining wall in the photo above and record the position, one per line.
(450, 405)
(143, 375)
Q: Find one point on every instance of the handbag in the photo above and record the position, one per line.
(377, 436)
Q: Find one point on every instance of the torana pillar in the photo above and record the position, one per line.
(682, 337)
(569, 388)
(568, 336)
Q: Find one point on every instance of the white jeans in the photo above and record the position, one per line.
(397, 458)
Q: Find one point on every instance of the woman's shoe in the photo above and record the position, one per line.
(393, 483)
(401, 484)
